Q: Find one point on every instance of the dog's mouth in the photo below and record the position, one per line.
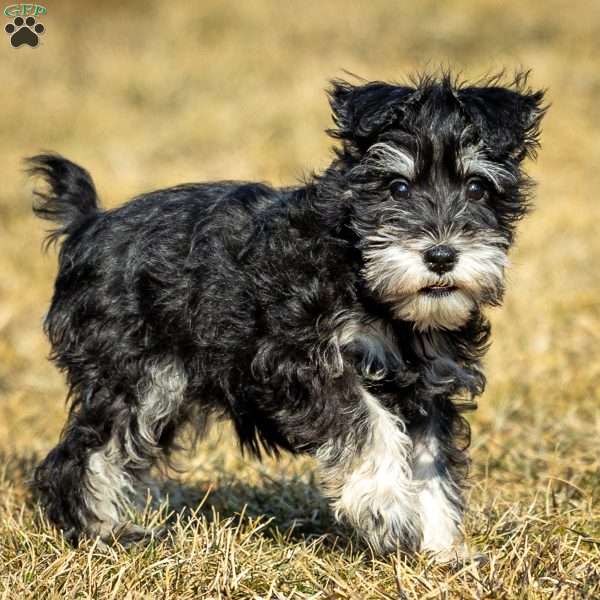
(438, 291)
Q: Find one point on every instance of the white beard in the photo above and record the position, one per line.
(399, 274)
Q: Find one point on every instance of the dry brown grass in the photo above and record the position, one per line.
(151, 94)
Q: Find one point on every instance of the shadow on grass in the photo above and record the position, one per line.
(291, 509)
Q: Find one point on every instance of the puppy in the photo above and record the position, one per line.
(341, 318)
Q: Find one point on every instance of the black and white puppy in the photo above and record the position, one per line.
(342, 318)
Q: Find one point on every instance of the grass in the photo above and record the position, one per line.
(150, 94)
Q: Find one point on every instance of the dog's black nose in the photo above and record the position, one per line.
(440, 259)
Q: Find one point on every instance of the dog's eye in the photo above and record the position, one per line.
(400, 189)
(476, 189)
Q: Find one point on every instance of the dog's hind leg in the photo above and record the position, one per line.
(99, 471)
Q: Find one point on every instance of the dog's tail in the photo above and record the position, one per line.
(69, 198)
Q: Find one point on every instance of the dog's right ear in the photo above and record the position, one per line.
(361, 112)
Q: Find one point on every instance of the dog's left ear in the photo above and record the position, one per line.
(361, 112)
(509, 119)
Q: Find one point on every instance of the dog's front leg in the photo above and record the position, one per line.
(367, 474)
(440, 465)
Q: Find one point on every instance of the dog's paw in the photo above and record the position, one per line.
(458, 555)
(128, 534)
(24, 32)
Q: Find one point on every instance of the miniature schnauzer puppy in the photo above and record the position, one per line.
(341, 318)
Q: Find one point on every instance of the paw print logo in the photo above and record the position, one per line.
(24, 32)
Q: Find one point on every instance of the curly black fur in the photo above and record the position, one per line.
(306, 315)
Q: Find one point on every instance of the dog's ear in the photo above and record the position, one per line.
(508, 119)
(361, 112)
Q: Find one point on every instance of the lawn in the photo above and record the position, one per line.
(150, 94)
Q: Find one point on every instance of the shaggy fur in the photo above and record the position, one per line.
(342, 318)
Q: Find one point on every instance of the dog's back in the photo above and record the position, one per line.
(143, 259)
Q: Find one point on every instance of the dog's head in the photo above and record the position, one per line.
(432, 177)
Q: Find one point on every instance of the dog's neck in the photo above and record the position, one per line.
(437, 361)
(451, 360)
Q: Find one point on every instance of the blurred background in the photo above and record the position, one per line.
(154, 93)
